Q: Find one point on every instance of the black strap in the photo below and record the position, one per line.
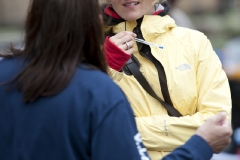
(146, 86)
(145, 51)
(162, 78)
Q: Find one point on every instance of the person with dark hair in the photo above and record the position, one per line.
(56, 100)
(171, 75)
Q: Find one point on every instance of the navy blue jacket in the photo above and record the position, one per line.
(90, 119)
(194, 149)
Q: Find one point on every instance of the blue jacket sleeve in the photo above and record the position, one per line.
(117, 138)
(194, 149)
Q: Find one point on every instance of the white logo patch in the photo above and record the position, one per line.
(141, 150)
(183, 67)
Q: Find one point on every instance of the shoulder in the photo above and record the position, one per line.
(166, 27)
(6, 61)
(10, 66)
(188, 37)
(98, 83)
(11, 62)
(93, 77)
(186, 34)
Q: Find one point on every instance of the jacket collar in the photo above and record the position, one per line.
(154, 25)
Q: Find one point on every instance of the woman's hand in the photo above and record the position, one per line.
(119, 49)
(124, 40)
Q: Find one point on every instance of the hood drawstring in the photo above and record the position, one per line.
(125, 26)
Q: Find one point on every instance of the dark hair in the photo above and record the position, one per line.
(59, 34)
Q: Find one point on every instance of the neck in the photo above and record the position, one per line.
(151, 11)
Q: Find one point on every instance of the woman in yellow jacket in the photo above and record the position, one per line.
(179, 64)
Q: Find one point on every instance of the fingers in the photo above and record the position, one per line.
(127, 45)
(223, 135)
(124, 40)
(216, 132)
(122, 34)
(129, 51)
(121, 39)
(227, 127)
(219, 118)
(222, 145)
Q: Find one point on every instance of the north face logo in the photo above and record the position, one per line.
(183, 67)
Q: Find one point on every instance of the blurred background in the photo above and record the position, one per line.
(219, 20)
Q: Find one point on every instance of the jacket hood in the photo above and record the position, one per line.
(158, 24)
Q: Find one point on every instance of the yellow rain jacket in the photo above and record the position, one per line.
(197, 85)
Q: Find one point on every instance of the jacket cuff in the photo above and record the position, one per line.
(200, 147)
(116, 57)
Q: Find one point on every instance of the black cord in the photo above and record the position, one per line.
(125, 26)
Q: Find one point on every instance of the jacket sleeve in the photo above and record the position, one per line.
(116, 57)
(115, 75)
(194, 149)
(164, 133)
